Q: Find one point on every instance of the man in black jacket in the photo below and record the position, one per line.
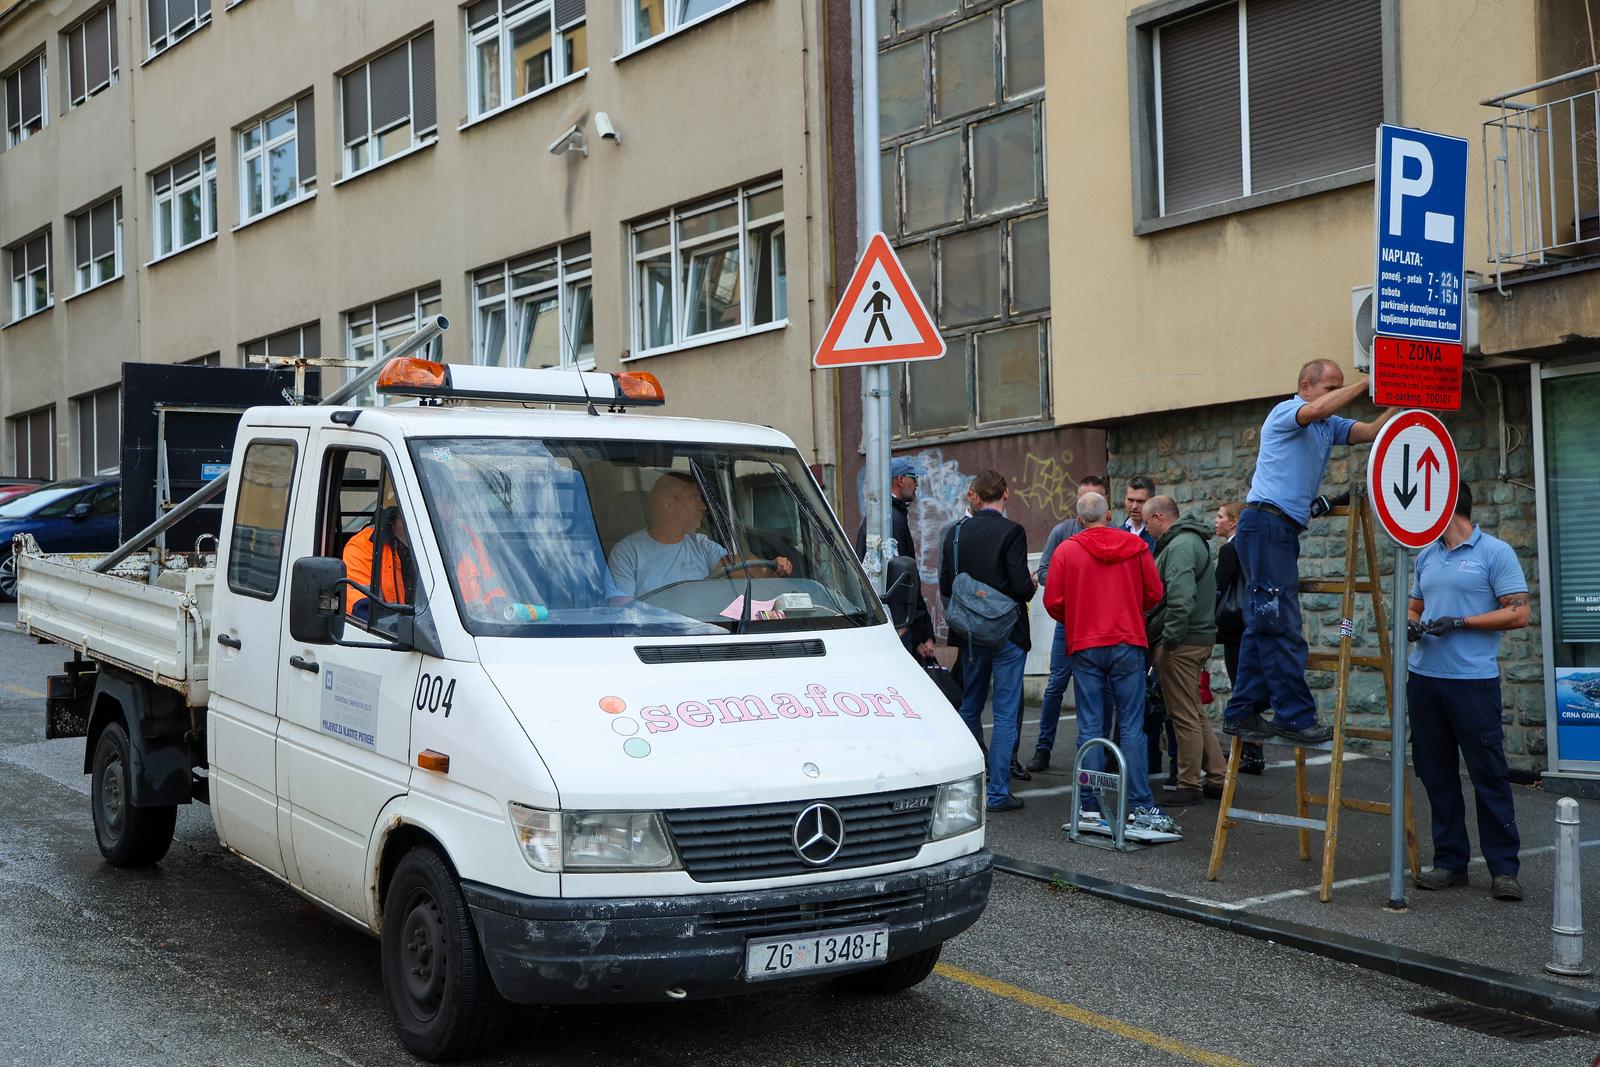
(994, 550)
(917, 635)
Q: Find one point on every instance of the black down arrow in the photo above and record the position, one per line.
(1405, 492)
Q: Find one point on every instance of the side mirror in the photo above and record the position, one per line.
(316, 600)
(79, 512)
(903, 587)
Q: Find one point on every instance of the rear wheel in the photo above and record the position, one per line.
(8, 579)
(890, 978)
(441, 995)
(128, 836)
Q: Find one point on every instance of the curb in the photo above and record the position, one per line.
(1526, 995)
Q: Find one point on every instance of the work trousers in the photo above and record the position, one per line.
(1197, 748)
(1451, 716)
(1273, 652)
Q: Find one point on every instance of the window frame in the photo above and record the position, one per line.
(16, 130)
(93, 399)
(81, 272)
(304, 330)
(573, 262)
(204, 175)
(288, 496)
(172, 37)
(360, 150)
(72, 58)
(22, 286)
(24, 419)
(381, 340)
(262, 151)
(499, 30)
(672, 22)
(1143, 26)
(679, 265)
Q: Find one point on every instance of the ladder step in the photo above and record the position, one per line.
(1376, 807)
(1328, 585)
(1329, 661)
(1273, 819)
(1368, 733)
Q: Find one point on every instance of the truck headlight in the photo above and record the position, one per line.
(957, 808)
(579, 841)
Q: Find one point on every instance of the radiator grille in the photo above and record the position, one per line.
(783, 919)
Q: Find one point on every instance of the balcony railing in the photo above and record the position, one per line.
(1541, 163)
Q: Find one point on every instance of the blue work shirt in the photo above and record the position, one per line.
(1292, 459)
(1468, 579)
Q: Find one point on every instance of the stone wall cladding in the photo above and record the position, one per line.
(1202, 457)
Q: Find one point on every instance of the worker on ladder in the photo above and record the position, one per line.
(1296, 440)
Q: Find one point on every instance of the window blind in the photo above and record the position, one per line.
(390, 86)
(305, 120)
(424, 108)
(1201, 141)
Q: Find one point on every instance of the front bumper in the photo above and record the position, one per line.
(559, 951)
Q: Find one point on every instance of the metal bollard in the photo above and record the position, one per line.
(1566, 954)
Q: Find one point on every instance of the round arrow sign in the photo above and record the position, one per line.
(1412, 478)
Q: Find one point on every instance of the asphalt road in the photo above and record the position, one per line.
(207, 960)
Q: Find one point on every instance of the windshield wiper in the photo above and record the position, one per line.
(725, 525)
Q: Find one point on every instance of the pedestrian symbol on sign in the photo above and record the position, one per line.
(877, 305)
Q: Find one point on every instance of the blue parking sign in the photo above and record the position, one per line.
(1421, 216)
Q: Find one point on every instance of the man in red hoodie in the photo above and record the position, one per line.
(1099, 585)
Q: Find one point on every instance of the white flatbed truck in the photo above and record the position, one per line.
(544, 751)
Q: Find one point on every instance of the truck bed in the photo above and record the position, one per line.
(159, 631)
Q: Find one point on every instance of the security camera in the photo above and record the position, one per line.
(572, 140)
(608, 132)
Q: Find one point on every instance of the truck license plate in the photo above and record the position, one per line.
(774, 957)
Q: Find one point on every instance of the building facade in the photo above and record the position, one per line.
(614, 185)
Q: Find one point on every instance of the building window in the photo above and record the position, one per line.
(963, 198)
(1250, 97)
(26, 102)
(518, 47)
(210, 359)
(90, 48)
(185, 199)
(649, 19)
(372, 331)
(388, 104)
(277, 158)
(547, 298)
(712, 269)
(170, 21)
(31, 291)
(99, 417)
(97, 244)
(33, 443)
(303, 341)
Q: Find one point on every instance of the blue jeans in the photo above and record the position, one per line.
(1005, 664)
(1055, 690)
(1272, 653)
(1451, 716)
(1119, 669)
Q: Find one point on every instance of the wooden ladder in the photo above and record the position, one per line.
(1359, 525)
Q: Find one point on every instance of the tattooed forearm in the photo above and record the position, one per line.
(1515, 600)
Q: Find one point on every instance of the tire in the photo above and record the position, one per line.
(8, 579)
(890, 978)
(441, 996)
(128, 836)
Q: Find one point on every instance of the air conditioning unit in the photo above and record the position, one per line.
(1362, 332)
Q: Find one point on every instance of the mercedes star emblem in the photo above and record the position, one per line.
(818, 834)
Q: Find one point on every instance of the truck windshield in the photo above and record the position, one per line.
(627, 538)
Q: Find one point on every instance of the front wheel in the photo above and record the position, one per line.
(441, 995)
(890, 978)
(128, 836)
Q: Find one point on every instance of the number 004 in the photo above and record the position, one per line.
(435, 691)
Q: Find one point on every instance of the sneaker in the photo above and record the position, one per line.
(1154, 820)
(1505, 887)
(1251, 727)
(1440, 878)
(1019, 773)
(1010, 803)
(1040, 761)
(1315, 734)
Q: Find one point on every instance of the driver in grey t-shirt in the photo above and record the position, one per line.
(671, 547)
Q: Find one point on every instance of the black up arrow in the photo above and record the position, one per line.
(1405, 492)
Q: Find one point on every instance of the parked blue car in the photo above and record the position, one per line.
(79, 515)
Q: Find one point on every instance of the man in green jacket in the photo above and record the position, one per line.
(1182, 630)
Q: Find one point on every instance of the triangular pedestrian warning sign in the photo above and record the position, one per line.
(880, 318)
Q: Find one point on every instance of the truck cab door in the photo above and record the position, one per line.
(344, 747)
(248, 614)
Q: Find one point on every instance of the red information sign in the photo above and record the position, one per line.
(1416, 374)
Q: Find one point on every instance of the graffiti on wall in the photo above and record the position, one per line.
(1046, 483)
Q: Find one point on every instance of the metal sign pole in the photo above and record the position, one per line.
(875, 425)
(1397, 732)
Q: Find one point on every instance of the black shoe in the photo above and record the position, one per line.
(1315, 734)
(1505, 887)
(1172, 777)
(1040, 760)
(1439, 878)
(1180, 796)
(1251, 727)
(1018, 773)
(1010, 803)
(1211, 789)
(1252, 760)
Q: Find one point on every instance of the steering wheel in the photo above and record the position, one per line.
(743, 565)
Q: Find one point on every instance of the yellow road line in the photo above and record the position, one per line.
(1085, 1017)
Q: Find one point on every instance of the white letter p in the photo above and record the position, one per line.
(1400, 186)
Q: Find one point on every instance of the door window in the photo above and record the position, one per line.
(260, 515)
(362, 524)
